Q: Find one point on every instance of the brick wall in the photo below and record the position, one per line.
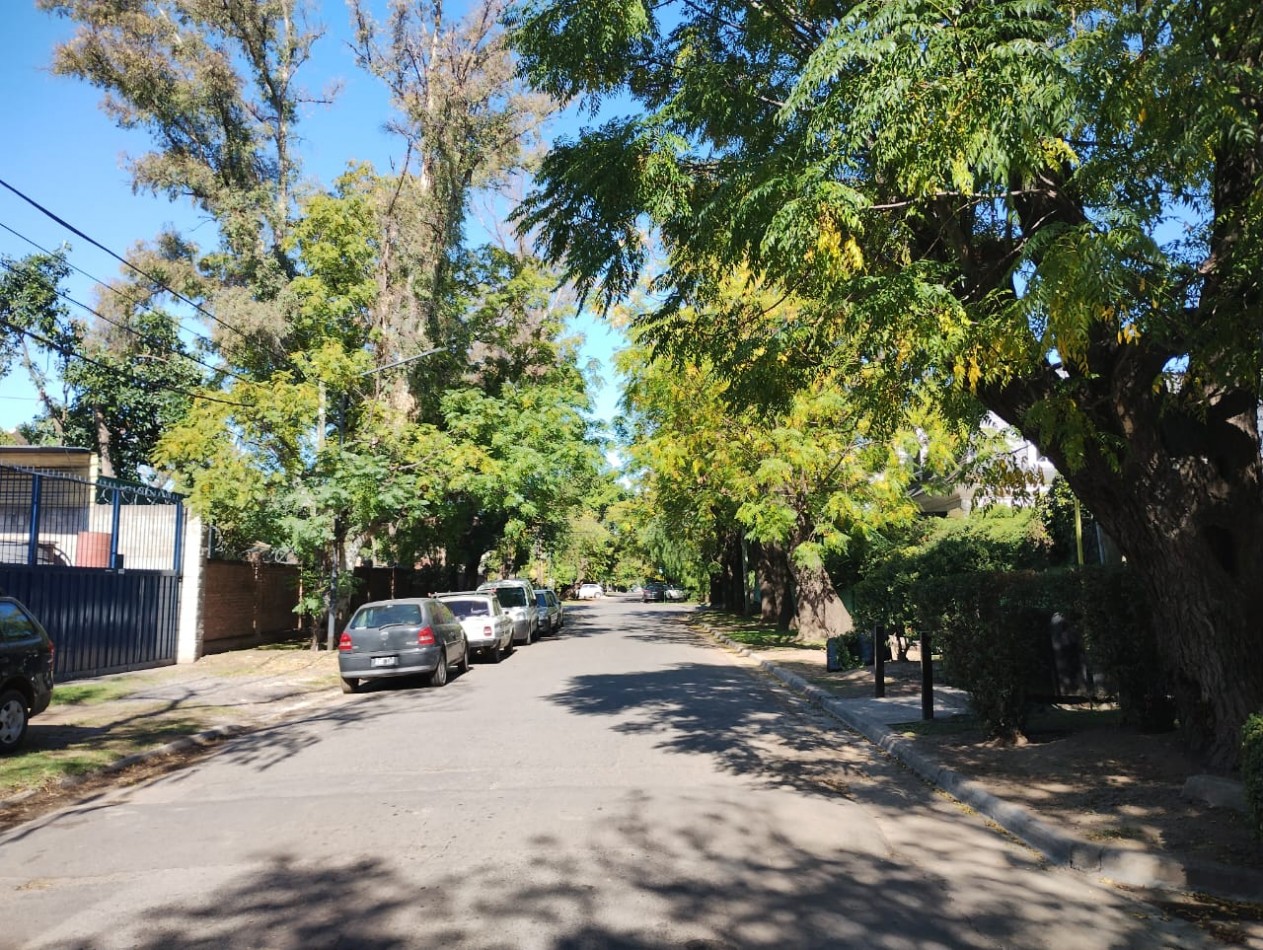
(247, 601)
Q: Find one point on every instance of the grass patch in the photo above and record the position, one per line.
(88, 694)
(751, 633)
(37, 769)
(37, 765)
(1120, 833)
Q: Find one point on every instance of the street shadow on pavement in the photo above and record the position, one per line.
(721, 712)
(713, 883)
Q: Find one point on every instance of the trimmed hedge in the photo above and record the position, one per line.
(995, 631)
(1252, 770)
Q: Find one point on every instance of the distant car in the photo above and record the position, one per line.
(590, 591)
(26, 671)
(488, 629)
(676, 593)
(551, 613)
(517, 597)
(401, 638)
(652, 591)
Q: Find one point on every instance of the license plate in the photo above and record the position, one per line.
(385, 661)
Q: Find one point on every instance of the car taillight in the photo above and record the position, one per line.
(425, 637)
(344, 642)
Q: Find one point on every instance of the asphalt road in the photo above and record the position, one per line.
(623, 785)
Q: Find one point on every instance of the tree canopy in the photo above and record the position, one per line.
(1048, 209)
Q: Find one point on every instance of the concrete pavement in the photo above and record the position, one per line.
(872, 718)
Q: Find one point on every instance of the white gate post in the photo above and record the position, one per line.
(189, 640)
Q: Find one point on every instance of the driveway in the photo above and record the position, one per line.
(622, 785)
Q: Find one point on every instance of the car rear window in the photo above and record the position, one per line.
(511, 596)
(473, 607)
(385, 615)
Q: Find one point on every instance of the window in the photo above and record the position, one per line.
(511, 596)
(14, 622)
(385, 615)
(469, 608)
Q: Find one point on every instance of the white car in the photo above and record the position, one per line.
(590, 591)
(488, 629)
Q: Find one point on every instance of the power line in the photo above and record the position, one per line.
(39, 247)
(152, 341)
(122, 260)
(72, 354)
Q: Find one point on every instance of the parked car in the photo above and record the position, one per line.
(590, 591)
(676, 593)
(26, 671)
(551, 613)
(653, 590)
(401, 638)
(488, 629)
(517, 597)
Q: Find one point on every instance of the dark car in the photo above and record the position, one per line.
(551, 613)
(653, 590)
(26, 671)
(401, 638)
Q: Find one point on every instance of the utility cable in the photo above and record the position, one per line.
(160, 344)
(71, 354)
(73, 230)
(207, 341)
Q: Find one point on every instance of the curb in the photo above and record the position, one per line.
(196, 740)
(1142, 869)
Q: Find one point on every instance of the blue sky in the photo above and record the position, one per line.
(61, 150)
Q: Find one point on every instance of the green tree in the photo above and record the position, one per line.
(1049, 209)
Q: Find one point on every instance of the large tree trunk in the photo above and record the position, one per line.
(727, 585)
(820, 611)
(776, 594)
(1184, 508)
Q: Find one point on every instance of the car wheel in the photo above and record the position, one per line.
(439, 676)
(350, 685)
(496, 653)
(463, 665)
(13, 720)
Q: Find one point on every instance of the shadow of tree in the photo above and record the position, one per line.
(638, 883)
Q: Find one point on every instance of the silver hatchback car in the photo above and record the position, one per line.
(404, 637)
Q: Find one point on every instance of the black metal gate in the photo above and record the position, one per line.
(101, 621)
(98, 563)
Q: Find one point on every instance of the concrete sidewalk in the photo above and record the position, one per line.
(101, 726)
(872, 718)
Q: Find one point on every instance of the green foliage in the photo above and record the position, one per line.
(1109, 608)
(977, 199)
(999, 539)
(994, 643)
(994, 630)
(1252, 769)
(850, 652)
(1057, 512)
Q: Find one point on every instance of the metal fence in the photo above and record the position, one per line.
(55, 519)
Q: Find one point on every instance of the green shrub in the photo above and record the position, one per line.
(1252, 770)
(848, 647)
(994, 643)
(1003, 539)
(1111, 612)
(994, 630)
